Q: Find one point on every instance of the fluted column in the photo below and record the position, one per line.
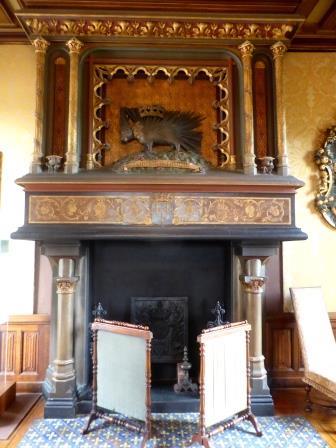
(246, 50)
(71, 164)
(278, 50)
(40, 46)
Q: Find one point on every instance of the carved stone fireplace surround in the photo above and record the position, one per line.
(64, 212)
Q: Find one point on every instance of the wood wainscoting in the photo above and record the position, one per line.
(282, 350)
(24, 350)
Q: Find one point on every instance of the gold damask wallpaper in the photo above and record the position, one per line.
(310, 105)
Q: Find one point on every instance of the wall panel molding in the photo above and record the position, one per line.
(282, 350)
(24, 350)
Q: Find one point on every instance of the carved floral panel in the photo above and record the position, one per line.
(159, 209)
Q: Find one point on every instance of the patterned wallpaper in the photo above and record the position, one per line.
(310, 104)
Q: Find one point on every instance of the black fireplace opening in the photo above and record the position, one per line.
(170, 285)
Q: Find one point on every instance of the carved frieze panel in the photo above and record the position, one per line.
(159, 209)
(147, 27)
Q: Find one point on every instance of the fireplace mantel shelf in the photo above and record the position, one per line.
(105, 181)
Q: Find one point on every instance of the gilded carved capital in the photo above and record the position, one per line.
(278, 49)
(41, 45)
(66, 285)
(252, 284)
(246, 49)
(74, 45)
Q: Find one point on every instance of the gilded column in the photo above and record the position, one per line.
(40, 46)
(246, 50)
(253, 281)
(278, 50)
(71, 164)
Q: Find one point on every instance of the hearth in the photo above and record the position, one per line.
(169, 285)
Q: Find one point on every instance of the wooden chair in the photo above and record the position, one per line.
(317, 343)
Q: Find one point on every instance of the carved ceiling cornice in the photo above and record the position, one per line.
(97, 27)
(313, 22)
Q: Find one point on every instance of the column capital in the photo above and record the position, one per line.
(253, 285)
(246, 48)
(66, 285)
(74, 45)
(278, 49)
(40, 44)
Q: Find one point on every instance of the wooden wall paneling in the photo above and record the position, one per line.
(282, 351)
(8, 351)
(27, 353)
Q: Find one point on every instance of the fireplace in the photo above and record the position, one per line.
(119, 221)
(112, 238)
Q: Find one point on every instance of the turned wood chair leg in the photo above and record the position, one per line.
(92, 417)
(308, 407)
(255, 424)
(201, 440)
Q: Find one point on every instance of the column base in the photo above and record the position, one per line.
(283, 170)
(60, 396)
(262, 405)
(60, 408)
(261, 399)
(71, 168)
(36, 168)
(250, 169)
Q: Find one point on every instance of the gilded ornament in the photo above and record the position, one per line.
(41, 45)
(147, 27)
(253, 285)
(66, 285)
(282, 31)
(278, 49)
(325, 159)
(158, 209)
(74, 45)
(246, 49)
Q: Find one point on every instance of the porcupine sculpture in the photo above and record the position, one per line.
(153, 125)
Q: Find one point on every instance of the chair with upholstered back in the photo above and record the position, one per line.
(317, 341)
